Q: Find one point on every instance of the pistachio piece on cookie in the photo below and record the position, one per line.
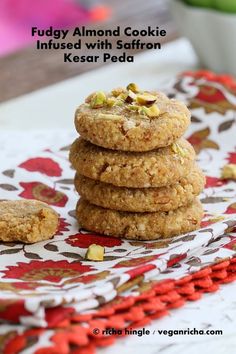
(131, 97)
(177, 149)
(133, 87)
(146, 99)
(109, 116)
(98, 100)
(151, 112)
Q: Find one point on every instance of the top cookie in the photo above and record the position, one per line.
(131, 120)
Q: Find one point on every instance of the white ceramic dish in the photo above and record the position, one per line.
(212, 34)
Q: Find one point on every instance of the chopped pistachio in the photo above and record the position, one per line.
(118, 91)
(98, 100)
(131, 96)
(133, 107)
(111, 101)
(133, 87)
(114, 101)
(95, 253)
(88, 99)
(109, 116)
(146, 99)
(151, 112)
(178, 150)
(119, 102)
(122, 96)
(229, 172)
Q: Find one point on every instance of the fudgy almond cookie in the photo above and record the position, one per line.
(131, 120)
(141, 199)
(154, 168)
(26, 221)
(139, 226)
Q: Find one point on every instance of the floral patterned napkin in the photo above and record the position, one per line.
(36, 277)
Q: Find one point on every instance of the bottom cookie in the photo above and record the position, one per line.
(139, 226)
(26, 221)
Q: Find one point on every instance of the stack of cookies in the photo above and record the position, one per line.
(136, 175)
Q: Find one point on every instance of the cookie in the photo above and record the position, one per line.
(131, 121)
(154, 168)
(141, 199)
(26, 221)
(139, 226)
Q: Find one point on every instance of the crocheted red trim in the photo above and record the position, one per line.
(71, 336)
(224, 79)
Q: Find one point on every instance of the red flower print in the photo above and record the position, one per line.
(212, 99)
(232, 157)
(211, 219)
(53, 271)
(43, 165)
(62, 227)
(209, 93)
(226, 80)
(15, 286)
(11, 310)
(206, 223)
(214, 182)
(200, 141)
(44, 193)
(85, 240)
(231, 209)
(231, 245)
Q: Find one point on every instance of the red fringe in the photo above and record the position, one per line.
(73, 336)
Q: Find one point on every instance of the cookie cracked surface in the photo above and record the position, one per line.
(139, 226)
(26, 221)
(154, 168)
(131, 120)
